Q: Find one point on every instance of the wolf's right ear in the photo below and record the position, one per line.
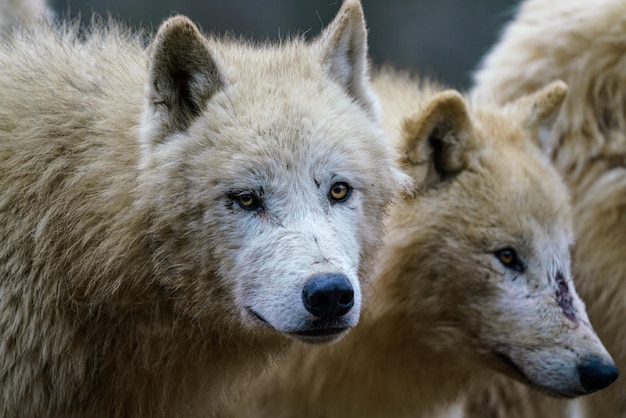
(541, 110)
(438, 140)
(343, 48)
(182, 76)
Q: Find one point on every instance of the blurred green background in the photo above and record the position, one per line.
(443, 39)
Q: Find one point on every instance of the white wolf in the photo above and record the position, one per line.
(168, 215)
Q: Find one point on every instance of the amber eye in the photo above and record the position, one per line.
(247, 200)
(339, 192)
(508, 257)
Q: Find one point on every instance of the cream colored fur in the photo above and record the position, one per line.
(133, 281)
(446, 312)
(583, 43)
(22, 12)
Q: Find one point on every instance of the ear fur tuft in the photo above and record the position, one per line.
(542, 109)
(438, 139)
(182, 74)
(343, 46)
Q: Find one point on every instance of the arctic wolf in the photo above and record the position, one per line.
(169, 215)
(474, 276)
(584, 43)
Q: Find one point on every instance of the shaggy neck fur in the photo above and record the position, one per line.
(91, 330)
(74, 346)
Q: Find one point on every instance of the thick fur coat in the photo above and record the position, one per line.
(161, 209)
(22, 12)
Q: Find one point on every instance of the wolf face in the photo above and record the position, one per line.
(496, 231)
(535, 326)
(291, 208)
(273, 160)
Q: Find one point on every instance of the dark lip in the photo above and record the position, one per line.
(514, 371)
(512, 368)
(319, 335)
(316, 334)
(257, 316)
(319, 332)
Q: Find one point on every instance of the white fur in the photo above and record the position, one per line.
(14, 12)
(132, 280)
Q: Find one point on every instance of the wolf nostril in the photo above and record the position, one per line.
(596, 374)
(346, 298)
(328, 295)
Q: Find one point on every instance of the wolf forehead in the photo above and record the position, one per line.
(293, 58)
(533, 203)
(282, 152)
(531, 200)
(283, 165)
(282, 92)
(289, 137)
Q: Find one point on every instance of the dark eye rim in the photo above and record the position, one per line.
(256, 206)
(343, 199)
(515, 263)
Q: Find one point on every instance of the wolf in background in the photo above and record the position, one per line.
(583, 43)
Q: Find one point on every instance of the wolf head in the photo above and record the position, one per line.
(488, 235)
(267, 175)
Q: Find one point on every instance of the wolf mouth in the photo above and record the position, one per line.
(321, 332)
(319, 335)
(257, 316)
(313, 335)
(514, 371)
(511, 368)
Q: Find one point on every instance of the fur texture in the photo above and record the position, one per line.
(161, 209)
(474, 276)
(23, 12)
(582, 43)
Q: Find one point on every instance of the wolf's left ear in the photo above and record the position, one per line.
(542, 109)
(182, 76)
(343, 47)
(438, 140)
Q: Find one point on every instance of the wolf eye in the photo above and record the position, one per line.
(339, 192)
(506, 257)
(247, 200)
(509, 259)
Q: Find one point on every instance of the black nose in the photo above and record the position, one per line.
(596, 374)
(328, 295)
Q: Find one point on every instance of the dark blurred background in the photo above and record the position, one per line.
(443, 39)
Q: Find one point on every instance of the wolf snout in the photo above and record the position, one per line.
(328, 296)
(596, 374)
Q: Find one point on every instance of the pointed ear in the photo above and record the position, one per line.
(182, 75)
(438, 140)
(541, 109)
(343, 46)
